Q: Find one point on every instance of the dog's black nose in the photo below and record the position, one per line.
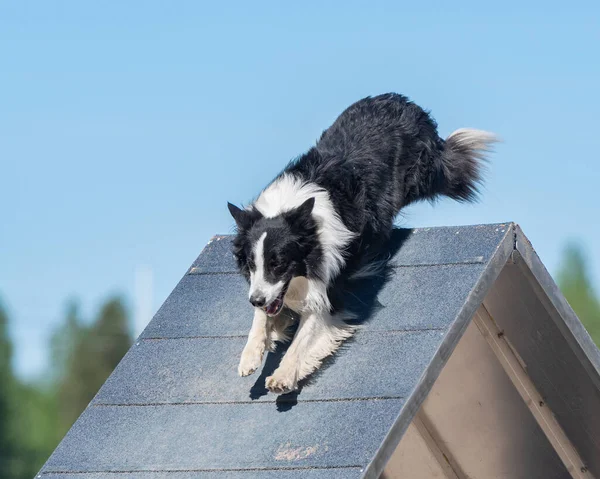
(258, 301)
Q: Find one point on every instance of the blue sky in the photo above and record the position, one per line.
(126, 126)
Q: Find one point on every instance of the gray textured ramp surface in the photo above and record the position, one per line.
(204, 370)
(313, 473)
(225, 436)
(175, 407)
(217, 305)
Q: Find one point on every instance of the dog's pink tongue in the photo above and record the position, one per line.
(272, 308)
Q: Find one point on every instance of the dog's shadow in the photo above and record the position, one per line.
(354, 294)
(284, 402)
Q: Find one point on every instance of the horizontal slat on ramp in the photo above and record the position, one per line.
(439, 245)
(217, 305)
(205, 370)
(322, 473)
(224, 436)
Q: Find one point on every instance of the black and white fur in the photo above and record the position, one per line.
(295, 239)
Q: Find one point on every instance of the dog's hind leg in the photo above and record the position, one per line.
(319, 335)
(258, 341)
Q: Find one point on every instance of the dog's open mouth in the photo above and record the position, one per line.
(275, 306)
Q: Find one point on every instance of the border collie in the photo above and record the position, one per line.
(381, 154)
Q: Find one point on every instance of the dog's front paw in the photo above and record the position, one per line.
(281, 383)
(250, 362)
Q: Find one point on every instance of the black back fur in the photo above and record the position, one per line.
(381, 154)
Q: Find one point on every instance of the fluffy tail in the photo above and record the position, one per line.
(463, 158)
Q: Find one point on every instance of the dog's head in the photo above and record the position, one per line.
(270, 252)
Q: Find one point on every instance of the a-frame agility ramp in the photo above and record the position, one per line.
(473, 365)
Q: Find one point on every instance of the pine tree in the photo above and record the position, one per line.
(64, 340)
(27, 418)
(36, 421)
(84, 357)
(33, 417)
(574, 281)
(7, 446)
(66, 350)
(111, 337)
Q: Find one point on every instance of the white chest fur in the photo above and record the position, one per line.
(297, 293)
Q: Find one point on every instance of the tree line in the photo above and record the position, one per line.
(35, 417)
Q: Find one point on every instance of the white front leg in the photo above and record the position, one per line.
(318, 336)
(255, 346)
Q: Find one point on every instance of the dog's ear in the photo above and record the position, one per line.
(243, 218)
(297, 215)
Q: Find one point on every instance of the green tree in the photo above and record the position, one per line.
(84, 357)
(110, 339)
(27, 418)
(34, 417)
(7, 383)
(37, 429)
(63, 342)
(574, 281)
(66, 347)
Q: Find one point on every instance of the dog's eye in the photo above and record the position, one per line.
(251, 264)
